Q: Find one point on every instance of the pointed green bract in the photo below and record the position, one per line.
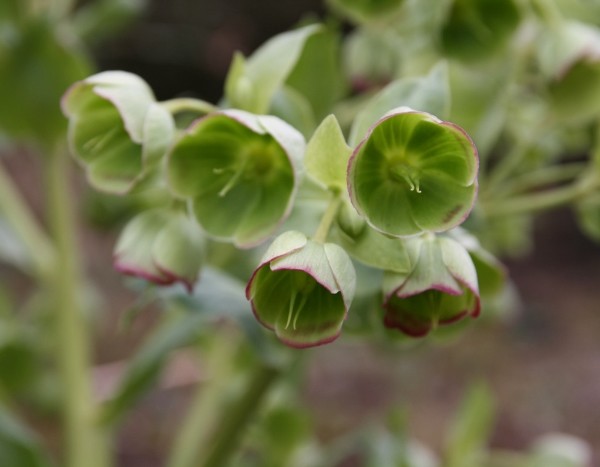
(252, 83)
(302, 290)
(240, 172)
(440, 289)
(327, 155)
(413, 173)
(117, 131)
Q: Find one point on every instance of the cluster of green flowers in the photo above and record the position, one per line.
(394, 201)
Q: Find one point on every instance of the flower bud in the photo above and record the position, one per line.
(413, 173)
(117, 130)
(239, 171)
(440, 289)
(161, 246)
(302, 290)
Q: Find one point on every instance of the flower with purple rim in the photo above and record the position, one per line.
(413, 173)
(302, 290)
(161, 246)
(440, 289)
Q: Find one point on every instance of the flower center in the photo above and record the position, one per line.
(403, 172)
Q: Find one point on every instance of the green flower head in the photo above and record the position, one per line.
(240, 172)
(161, 246)
(117, 131)
(302, 290)
(441, 288)
(413, 173)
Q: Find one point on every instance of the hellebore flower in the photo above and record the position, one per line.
(440, 289)
(413, 173)
(161, 246)
(117, 130)
(302, 290)
(239, 171)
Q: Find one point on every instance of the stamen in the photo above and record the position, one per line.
(234, 178)
(290, 311)
(97, 143)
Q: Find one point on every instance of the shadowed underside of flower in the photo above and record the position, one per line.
(413, 173)
(441, 288)
(239, 172)
(302, 290)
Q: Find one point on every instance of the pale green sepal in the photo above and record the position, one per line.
(430, 93)
(287, 136)
(343, 271)
(251, 84)
(159, 131)
(459, 263)
(283, 244)
(327, 155)
(292, 107)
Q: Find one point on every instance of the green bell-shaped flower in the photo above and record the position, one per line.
(161, 246)
(302, 290)
(440, 289)
(240, 172)
(117, 130)
(413, 173)
(475, 29)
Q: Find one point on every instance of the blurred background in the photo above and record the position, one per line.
(542, 363)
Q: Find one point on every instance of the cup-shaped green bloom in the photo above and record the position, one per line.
(440, 289)
(477, 28)
(240, 172)
(413, 173)
(302, 290)
(161, 246)
(117, 130)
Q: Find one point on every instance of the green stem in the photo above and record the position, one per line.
(322, 231)
(18, 215)
(505, 167)
(188, 104)
(545, 176)
(85, 445)
(216, 418)
(546, 200)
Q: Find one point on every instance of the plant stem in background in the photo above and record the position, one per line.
(20, 218)
(327, 220)
(217, 418)
(186, 104)
(85, 444)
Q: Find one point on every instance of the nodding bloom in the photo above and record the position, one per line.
(302, 290)
(440, 289)
(413, 173)
(117, 130)
(240, 172)
(161, 246)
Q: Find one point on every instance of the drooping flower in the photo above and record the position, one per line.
(302, 290)
(240, 172)
(440, 289)
(117, 130)
(161, 246)
(413, 173)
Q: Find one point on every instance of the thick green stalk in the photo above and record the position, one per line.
(329, 216)
(187, 104)
(18, 215)
(85, 444)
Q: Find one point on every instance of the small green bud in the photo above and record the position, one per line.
(240, 172)
(441, 288)
(117, 130)
(413, 173)
(161, 246)
(302, 290)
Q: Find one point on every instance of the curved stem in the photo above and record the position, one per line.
(85, 443)
(322, 231)
(545, 176)
(188, 104)
(18, 215)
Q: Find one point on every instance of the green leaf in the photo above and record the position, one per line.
(317, 75)
(327, 154)
(292, 107)
(468, 436)
(365, 11)
(12, 249)
(252, 83)
(102, 19)
(429, 93)
(18, 446)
